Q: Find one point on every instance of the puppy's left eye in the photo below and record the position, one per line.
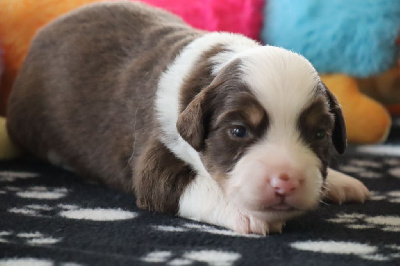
(320, 134)
(240, 132)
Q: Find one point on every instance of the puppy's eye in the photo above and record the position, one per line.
(240, 132)
(320, 134)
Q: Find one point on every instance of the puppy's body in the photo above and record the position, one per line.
(86, 95)
(212, 126)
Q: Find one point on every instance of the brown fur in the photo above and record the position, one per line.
(200, 77)
(339, 135)
(87, 87)
(193, 122)
(161, 178)
(316, 117)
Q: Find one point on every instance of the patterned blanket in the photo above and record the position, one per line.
(51, 217)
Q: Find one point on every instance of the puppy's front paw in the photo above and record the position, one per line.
(248, 224)
(341, 188)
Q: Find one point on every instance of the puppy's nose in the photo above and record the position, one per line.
(284, 185)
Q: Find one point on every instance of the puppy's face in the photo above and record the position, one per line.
(264, 129)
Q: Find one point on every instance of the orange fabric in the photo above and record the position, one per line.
(394, 109)
(367, 121)
(19, 21)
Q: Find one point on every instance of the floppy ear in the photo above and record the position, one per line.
(339, 135)
(192, 121)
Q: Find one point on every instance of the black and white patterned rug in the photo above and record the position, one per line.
(51, 217)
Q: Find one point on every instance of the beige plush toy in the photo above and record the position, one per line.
(8, 149)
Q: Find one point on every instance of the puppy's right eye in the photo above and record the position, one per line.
(320, 134)
(240, 132)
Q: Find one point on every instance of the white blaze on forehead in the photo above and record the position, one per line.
(274, 72)
(284, 83)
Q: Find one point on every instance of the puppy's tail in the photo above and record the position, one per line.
(8, 150)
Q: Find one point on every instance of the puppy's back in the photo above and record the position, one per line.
(84, 96)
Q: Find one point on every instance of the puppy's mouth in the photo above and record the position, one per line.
(281, 207)
(276, 213)
(278, 208)
(280, 204)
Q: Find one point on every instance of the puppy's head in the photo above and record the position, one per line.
(264, 128)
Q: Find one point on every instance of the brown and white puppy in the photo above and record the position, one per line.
(211, 126)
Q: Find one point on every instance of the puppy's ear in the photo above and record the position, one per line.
(191, 123)
(339, 135)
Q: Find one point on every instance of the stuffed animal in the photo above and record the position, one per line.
(385, 88)
(352, 41)
(367, 121)
(8, 149)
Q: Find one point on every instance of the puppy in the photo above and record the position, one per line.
(211, 126)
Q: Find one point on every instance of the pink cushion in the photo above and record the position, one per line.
(239, 16)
